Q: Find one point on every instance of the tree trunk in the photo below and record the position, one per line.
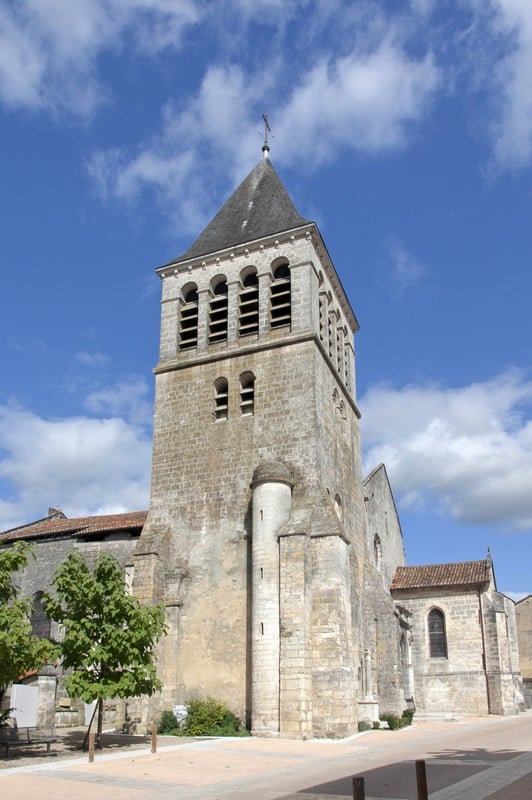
(100, 724)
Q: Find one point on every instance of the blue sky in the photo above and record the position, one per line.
(403, 128)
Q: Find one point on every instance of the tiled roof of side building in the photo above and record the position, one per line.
(464, 573)
(78, 526)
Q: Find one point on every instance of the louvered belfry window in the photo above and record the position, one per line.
(248, 306)
(221, 397)
(247, 393)
(280, 298)
(188, 320)
(218, 314)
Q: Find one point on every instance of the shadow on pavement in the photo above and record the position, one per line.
(398, 780)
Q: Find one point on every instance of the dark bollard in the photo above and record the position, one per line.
(91, 748)
(421, 778)
(359, 792)
(154, 738)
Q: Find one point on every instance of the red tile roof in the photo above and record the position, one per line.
(79, 526)
(465, 573)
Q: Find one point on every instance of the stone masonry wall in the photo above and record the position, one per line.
(457, 682)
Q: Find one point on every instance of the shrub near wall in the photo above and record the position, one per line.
(208, 717)
(398, 722)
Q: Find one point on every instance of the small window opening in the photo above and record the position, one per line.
(338, 504)
(221, 398)
(323, 317)
(262, 628)
(347, 371)
(218, 314)
(261, 573)
(247, 393)
(248, 306)
(437, 635)
(280, 298)
(339, 349)
(377, 551)
(41, 624)
(330, 333)
(188, 320)
(261, 515)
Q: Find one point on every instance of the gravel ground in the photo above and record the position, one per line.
(71, 744)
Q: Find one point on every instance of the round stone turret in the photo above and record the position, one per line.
(271, 472)
(272, 507)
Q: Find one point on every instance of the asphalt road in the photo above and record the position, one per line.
(487, 758)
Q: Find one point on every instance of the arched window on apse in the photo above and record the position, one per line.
(437, 634)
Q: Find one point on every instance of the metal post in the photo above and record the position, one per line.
(91, 747)
(421, 778)
(154, 738)
(359, 792)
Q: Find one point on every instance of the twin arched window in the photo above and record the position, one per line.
(247, 396)
(437, 634)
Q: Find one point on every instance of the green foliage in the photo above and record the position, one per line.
(208, 717)
(363, 725)
(394, 723)
(376, 724)
(20, 650)
(168, 723)
(408, 714)
(110, 638)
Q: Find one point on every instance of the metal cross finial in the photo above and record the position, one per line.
(267, 129)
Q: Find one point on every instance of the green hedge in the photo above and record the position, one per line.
(208, 717)
(398, 722)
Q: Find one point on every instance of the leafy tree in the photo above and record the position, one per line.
(20, 650)
(109, 637)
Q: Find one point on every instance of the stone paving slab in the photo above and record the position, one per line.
(469, 760)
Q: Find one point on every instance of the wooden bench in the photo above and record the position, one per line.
(25, 737)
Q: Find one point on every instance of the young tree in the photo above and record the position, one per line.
(109, 637)
(20, 650)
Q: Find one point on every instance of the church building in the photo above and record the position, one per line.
(282, 569)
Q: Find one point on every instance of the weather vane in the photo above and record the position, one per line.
(267, 130)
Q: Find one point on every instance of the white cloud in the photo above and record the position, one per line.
(84, 464)
(513, 129)
(129, 399)
(406, 270)
(91, 359)
(197, 147)
(466, 451)
(367, 103)
(363, 102)
(49, 48)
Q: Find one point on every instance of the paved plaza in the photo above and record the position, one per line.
(488, 758)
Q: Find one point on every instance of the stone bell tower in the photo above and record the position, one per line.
(256, 521)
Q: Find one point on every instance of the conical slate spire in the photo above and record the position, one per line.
(259, 207)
